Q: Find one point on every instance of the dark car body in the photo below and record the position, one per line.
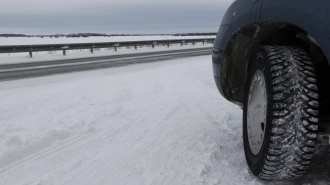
(250, 24)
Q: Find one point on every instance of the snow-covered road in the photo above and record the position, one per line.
(154, 123)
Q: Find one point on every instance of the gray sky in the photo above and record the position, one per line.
(111, 16)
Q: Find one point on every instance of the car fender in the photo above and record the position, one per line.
(247, 22)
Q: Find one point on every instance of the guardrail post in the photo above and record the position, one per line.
(115, 48)
(30, 53)
(64, 53)
(92, 50)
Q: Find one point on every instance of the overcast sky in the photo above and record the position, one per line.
(111, 16)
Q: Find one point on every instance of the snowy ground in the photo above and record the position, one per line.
(155, 123)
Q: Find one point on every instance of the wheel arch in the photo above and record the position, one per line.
(247, 40)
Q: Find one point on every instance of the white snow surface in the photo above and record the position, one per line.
(154, 123)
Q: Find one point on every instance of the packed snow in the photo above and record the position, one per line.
(154, 123)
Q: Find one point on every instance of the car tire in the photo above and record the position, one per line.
(280, 113)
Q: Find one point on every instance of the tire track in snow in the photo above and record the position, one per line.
(8, 164)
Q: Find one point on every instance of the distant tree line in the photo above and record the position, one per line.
(13, 35)
(103, 35)
(195, 34)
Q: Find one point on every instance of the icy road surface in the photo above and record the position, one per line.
(155, 123)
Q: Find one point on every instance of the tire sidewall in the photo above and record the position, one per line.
(259, 62)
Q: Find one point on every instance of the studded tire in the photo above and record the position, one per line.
(291, 117)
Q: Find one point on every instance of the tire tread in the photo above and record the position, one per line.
(293, 131)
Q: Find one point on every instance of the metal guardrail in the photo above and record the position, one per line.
(92, 46)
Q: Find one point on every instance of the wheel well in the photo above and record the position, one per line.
(246, 41)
